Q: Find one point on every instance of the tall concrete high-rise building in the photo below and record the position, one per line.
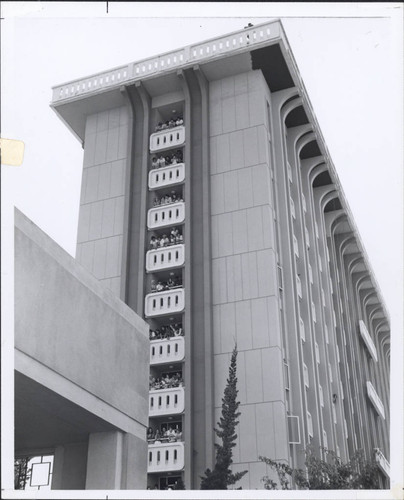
(211, 206)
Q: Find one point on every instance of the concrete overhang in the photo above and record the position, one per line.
(45, 419)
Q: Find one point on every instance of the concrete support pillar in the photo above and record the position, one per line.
(112, 464)
(69, 467)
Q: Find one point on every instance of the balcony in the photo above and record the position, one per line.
(368, 340)
(166, 215)
(165, 258)
(167, 351)
(165, 457)
(166, 176)
(167, 302)
(374, 398)
(166, 402)
(167, 139)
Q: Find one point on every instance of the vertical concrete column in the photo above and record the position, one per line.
(69, 467)
(116, 460)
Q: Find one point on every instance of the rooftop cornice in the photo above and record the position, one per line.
(209, 50)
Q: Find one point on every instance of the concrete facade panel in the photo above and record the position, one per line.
(259, 316)
(228, 87)
(215, 237)
(272, 374)
(245, 188)
(236, 149)
(87, 255)
(117, 178)
(89, 148)
(243, 325)
(268, 226)
(241, 375)
(217, 194)
(119, 215)
(254, 229)
(113, 118)
(257, 471)
(108, 217)
(266, 264)
(250, 141)
(102, 121)
(112, 144)
(104, 181)
(253, 370)
(100, 255)
(229, 113)
(100, 154)
(84, 223)
(91, 187)
(265, 430)
(114, 248)
(263, 145)
(242, 111)
(91, 124)
(216, 328)
(235, 294)
(213, 155)
(123, 141)
(95, 220)
(274, 321)
(281, 434)
(260, 185)
(225, 234)
(248, 434)
(228, 327)
(223, 153)
(239, 225)
(230, 188)
(240, 84)
(256, 107)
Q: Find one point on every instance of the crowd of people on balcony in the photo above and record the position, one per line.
(174, 238)
(173, 197)
(162, 286)
(165, 332)
(167, 381)
(169, 435)
(174, 122)
(165, 161)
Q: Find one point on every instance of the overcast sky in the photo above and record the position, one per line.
(349, 56)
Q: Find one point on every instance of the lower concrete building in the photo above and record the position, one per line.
(81, 370)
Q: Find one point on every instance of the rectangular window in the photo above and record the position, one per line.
(306, 376)
(302, 330)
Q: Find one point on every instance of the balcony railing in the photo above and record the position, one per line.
(166, 402)
(374, 398)
(167, 302)
(165, 258)
(165, 457)
(166, 176)
(368, 340)
(166, 139)
(166, 215)
(167, 351)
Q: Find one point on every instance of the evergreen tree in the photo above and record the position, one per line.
(221, 476)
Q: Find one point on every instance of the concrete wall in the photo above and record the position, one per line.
(100, 232)
(244, 270)
(73, 337)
